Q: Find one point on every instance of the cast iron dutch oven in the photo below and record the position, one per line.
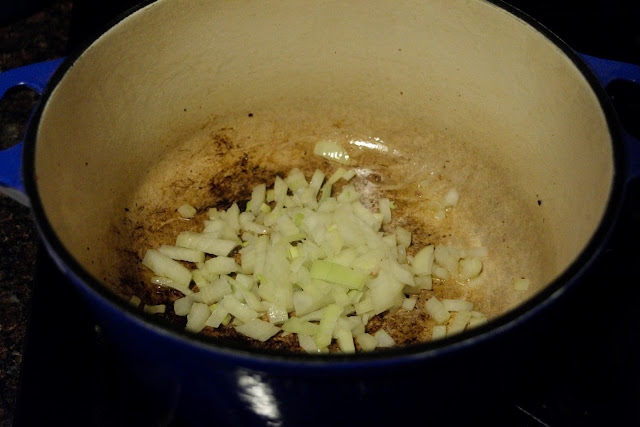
(180, 96)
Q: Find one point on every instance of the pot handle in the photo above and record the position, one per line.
(35, 76)
(608, 71)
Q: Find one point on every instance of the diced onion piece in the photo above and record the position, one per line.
(197, 317)
(340, 296)
(198, 278)
(349, 174)
(384, 339)
(457, 305)
(255, 303)
(439, 331)
(277, 314)
(238, 309)
(385, 291)
(409, 303)
(403, 237)
(187, 211)
(296, 180)
(436, 310)
(162, 265)
(459, 322)
(301, 327)
(470, 267)
(206, 242)
(336, 273)
(258, 196)
(423, 261)
(345, 340)
(182, 306)
(218, 315)
(451, 198)
(135, 301)
(308, 344)
(355, 324)
(258, 329)
(165, 281)
(328, 322)
(521, 284)
(384, 207)
(476, 321)
(313, 316)
(441, 273)
(214, 292)
(423, 282)
(331, 151)
(447, 257)
(348, 194)
(367, 341)
(182, 254)
(476, 281)
(221, 265)
(154, 309)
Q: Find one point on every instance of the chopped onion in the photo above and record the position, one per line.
(521, 284)
(206, 242)
(384, 339)
(470, 267)
(328, 322)
(162, 265)
(436, 310)
(459, 322)
(214, 292)
(258, 329)
(367, 341)
(187, 211)
(218, 315)
(221, 265)
(182, 254)
(345, 340)
(154, 309)
(457, 305)
(451, 198)
(447, 257)
(318, 264)
(423, 261)
(182, 306)
(439, 331)
(336, 273)
(476, 321)
(238, 309)
(197, 317)
(308, 344)
(277, 314)
(409, 303)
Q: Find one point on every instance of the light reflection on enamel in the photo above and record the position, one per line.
(259, 396)
(377, 144)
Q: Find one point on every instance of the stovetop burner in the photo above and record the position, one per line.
(585, 373)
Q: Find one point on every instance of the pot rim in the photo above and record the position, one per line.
(91, 286)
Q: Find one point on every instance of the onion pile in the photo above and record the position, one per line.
(303, 260)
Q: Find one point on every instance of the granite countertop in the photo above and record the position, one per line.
(41, 36)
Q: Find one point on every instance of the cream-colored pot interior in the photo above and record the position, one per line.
(461, 93)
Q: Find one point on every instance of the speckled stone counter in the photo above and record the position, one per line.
(41, 36)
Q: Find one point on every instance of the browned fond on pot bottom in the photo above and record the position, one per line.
(222, 162)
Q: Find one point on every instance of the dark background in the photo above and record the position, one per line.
(61, 372)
